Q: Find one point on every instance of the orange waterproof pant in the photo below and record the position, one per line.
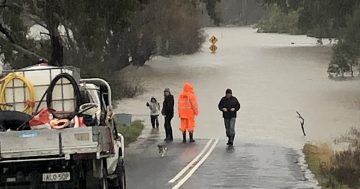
(187, 124)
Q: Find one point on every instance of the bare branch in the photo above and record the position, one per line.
(299, 115)
(302, 122)
(21, 49)
(43, 33)
(63, 22)
(9, 4)
(26, 51)
(36, 20)
(3, 3)
(6, 33)
(12, 41)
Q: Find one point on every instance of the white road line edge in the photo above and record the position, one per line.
(191, 163)
(192, 171)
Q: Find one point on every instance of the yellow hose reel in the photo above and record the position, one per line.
(4, 82)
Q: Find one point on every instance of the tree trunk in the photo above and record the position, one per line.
(57, 54)
(57, 51)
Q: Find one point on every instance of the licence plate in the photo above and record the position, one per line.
(82, 136)
(56, 177)
(27, 134)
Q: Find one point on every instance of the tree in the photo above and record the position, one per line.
(211, 9)
(174, 28)
(347, 50)
(99, 33)
(340, 62)
(330, 19)
(88, 27)
(319, 18)
(14, 45)
(278, 21)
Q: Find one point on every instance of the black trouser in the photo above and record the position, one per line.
(168, 129)
(154, 121)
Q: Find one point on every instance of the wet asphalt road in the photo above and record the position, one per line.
(247, 165)
(250, 166)
(145, 168)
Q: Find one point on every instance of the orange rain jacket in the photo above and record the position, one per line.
(188, 108)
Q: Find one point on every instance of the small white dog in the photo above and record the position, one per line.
(162, 149)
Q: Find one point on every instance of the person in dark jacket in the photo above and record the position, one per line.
(168, 112)
(229, 105)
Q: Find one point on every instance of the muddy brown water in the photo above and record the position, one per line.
(271, 77)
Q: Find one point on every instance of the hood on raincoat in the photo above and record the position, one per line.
(188, 88)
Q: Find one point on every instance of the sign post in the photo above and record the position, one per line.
(213, 40)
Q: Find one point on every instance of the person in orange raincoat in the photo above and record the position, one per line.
(188, 110)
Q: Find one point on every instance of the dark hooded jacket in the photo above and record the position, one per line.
(229, 103)
(168, 106)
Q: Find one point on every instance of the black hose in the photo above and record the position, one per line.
(41, 100)
(48, 94)
(36, 112)
(74, 85)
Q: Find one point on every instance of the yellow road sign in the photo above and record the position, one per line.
(213, 48)
(213, 39)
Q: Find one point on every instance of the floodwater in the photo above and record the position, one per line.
(271, 77)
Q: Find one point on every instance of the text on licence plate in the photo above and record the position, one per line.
(54, 177)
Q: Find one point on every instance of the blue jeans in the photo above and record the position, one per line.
(230, 127)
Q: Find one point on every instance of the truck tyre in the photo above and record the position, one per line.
(120, 181)
(122, 178)
(103, 182)
(82, 175)
(94, 182)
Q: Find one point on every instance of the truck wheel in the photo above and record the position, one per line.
(104, 181)
(81, 173)
(94, 182)
(121, 176)
(120, 181)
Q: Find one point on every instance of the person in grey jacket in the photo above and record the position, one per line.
(229, 105)
(154, 107)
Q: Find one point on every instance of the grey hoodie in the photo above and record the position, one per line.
(154, 108)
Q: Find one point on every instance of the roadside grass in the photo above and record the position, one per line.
(321, 160)
(131, 133)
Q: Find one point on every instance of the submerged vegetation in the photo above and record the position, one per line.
(323, 19)
(336, 169)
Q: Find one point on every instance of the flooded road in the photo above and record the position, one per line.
(250, 166)
(273, 76)
(272, 79)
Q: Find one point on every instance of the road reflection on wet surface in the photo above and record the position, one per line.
(251, 166)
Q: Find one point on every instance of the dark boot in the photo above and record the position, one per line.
(229, 141)
(171, 138)
(191, 137)
(184, 137)
(167, 137)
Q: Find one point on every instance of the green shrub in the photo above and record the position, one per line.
(131, 133)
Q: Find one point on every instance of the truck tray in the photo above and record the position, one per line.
(63, 143)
